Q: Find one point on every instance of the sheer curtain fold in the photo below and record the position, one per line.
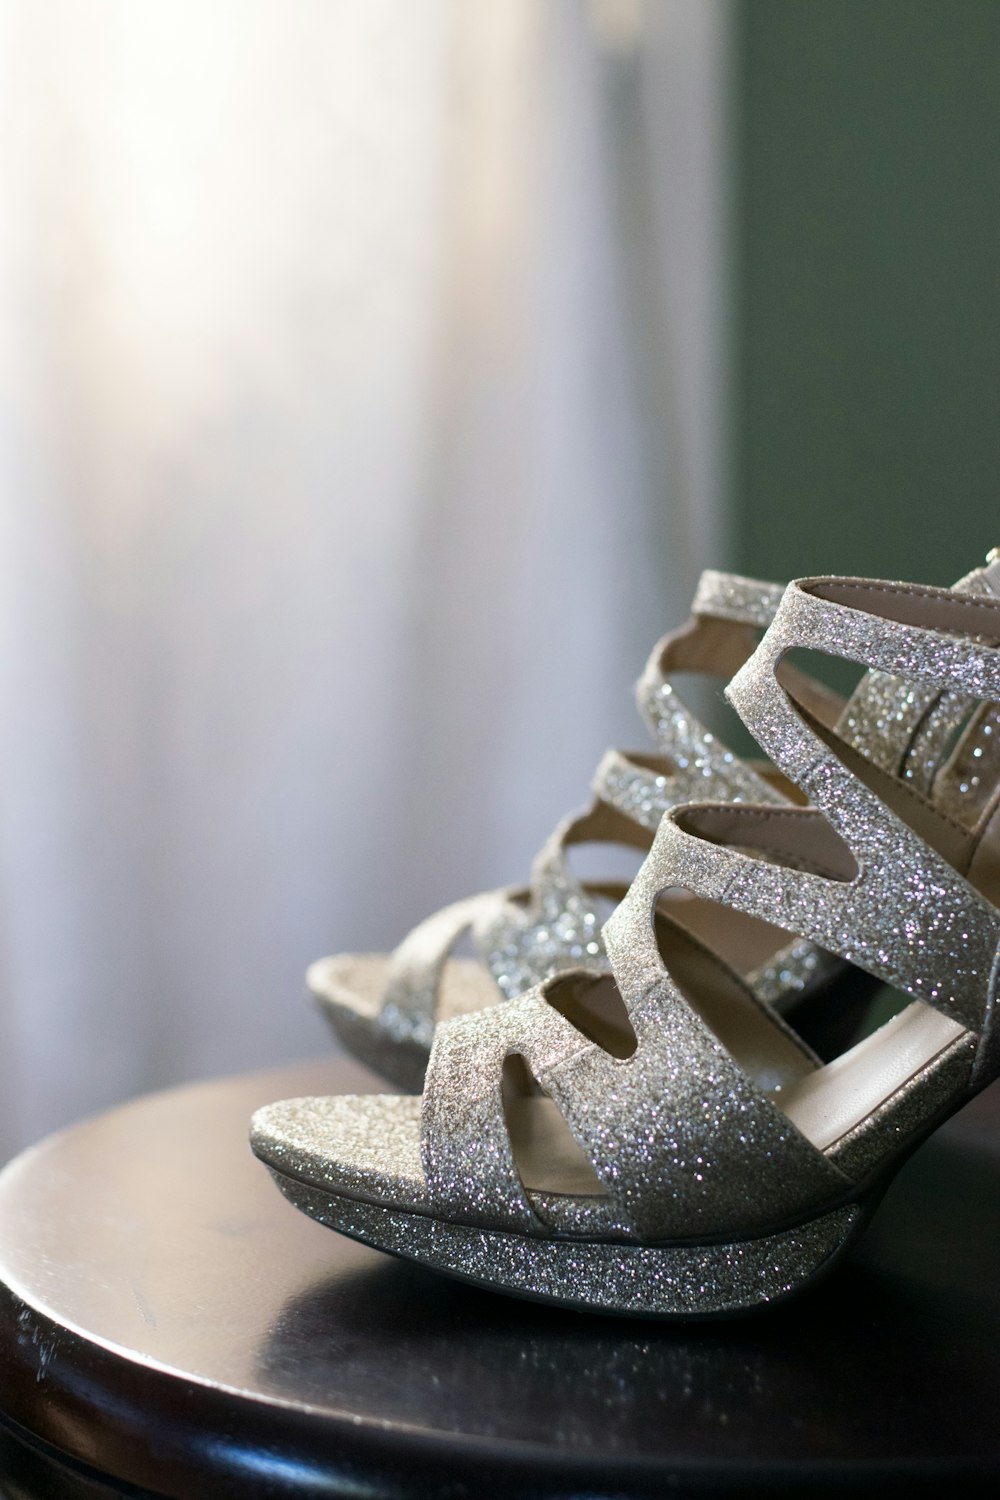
(361, 382)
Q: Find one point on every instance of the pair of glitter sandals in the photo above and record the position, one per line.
(631, 1119)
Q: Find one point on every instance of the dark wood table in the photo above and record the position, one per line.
(169, 1325)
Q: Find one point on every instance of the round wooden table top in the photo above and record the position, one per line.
(169, 1325)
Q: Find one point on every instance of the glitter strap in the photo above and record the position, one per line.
(409, 1008)
(642, 788)
(558, 926)
(658, 1127)
(699, 758)
(729, 596)
(968, 778)
(701, 646)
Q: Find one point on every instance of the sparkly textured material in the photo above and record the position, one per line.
(658, 1127)
(679, 1281)
(730, 596)
(967, 780)
(900, 1119)
(558, 926)
(522, 936)
(906, 726)
(906, 916)
(686, 1150)
(790, 971)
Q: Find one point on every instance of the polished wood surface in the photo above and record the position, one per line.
(169, 1323)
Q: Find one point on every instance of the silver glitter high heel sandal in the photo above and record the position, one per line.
(658, 1142)
(384, 1008)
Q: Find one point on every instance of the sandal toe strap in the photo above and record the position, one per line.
(412, 993)
(679, 1138)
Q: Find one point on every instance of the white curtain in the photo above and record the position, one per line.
(361, 394)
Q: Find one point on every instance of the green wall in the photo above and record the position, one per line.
(867, 411)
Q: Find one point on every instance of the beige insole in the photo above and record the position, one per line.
(828, 1103)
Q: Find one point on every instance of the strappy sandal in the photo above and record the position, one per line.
(384, 1008)
(659, 1142)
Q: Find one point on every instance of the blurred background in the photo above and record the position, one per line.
(376, 376)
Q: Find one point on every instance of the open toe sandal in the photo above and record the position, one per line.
(384, 1008)
(654, 1140)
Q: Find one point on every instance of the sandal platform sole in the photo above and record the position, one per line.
(678, 1280)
